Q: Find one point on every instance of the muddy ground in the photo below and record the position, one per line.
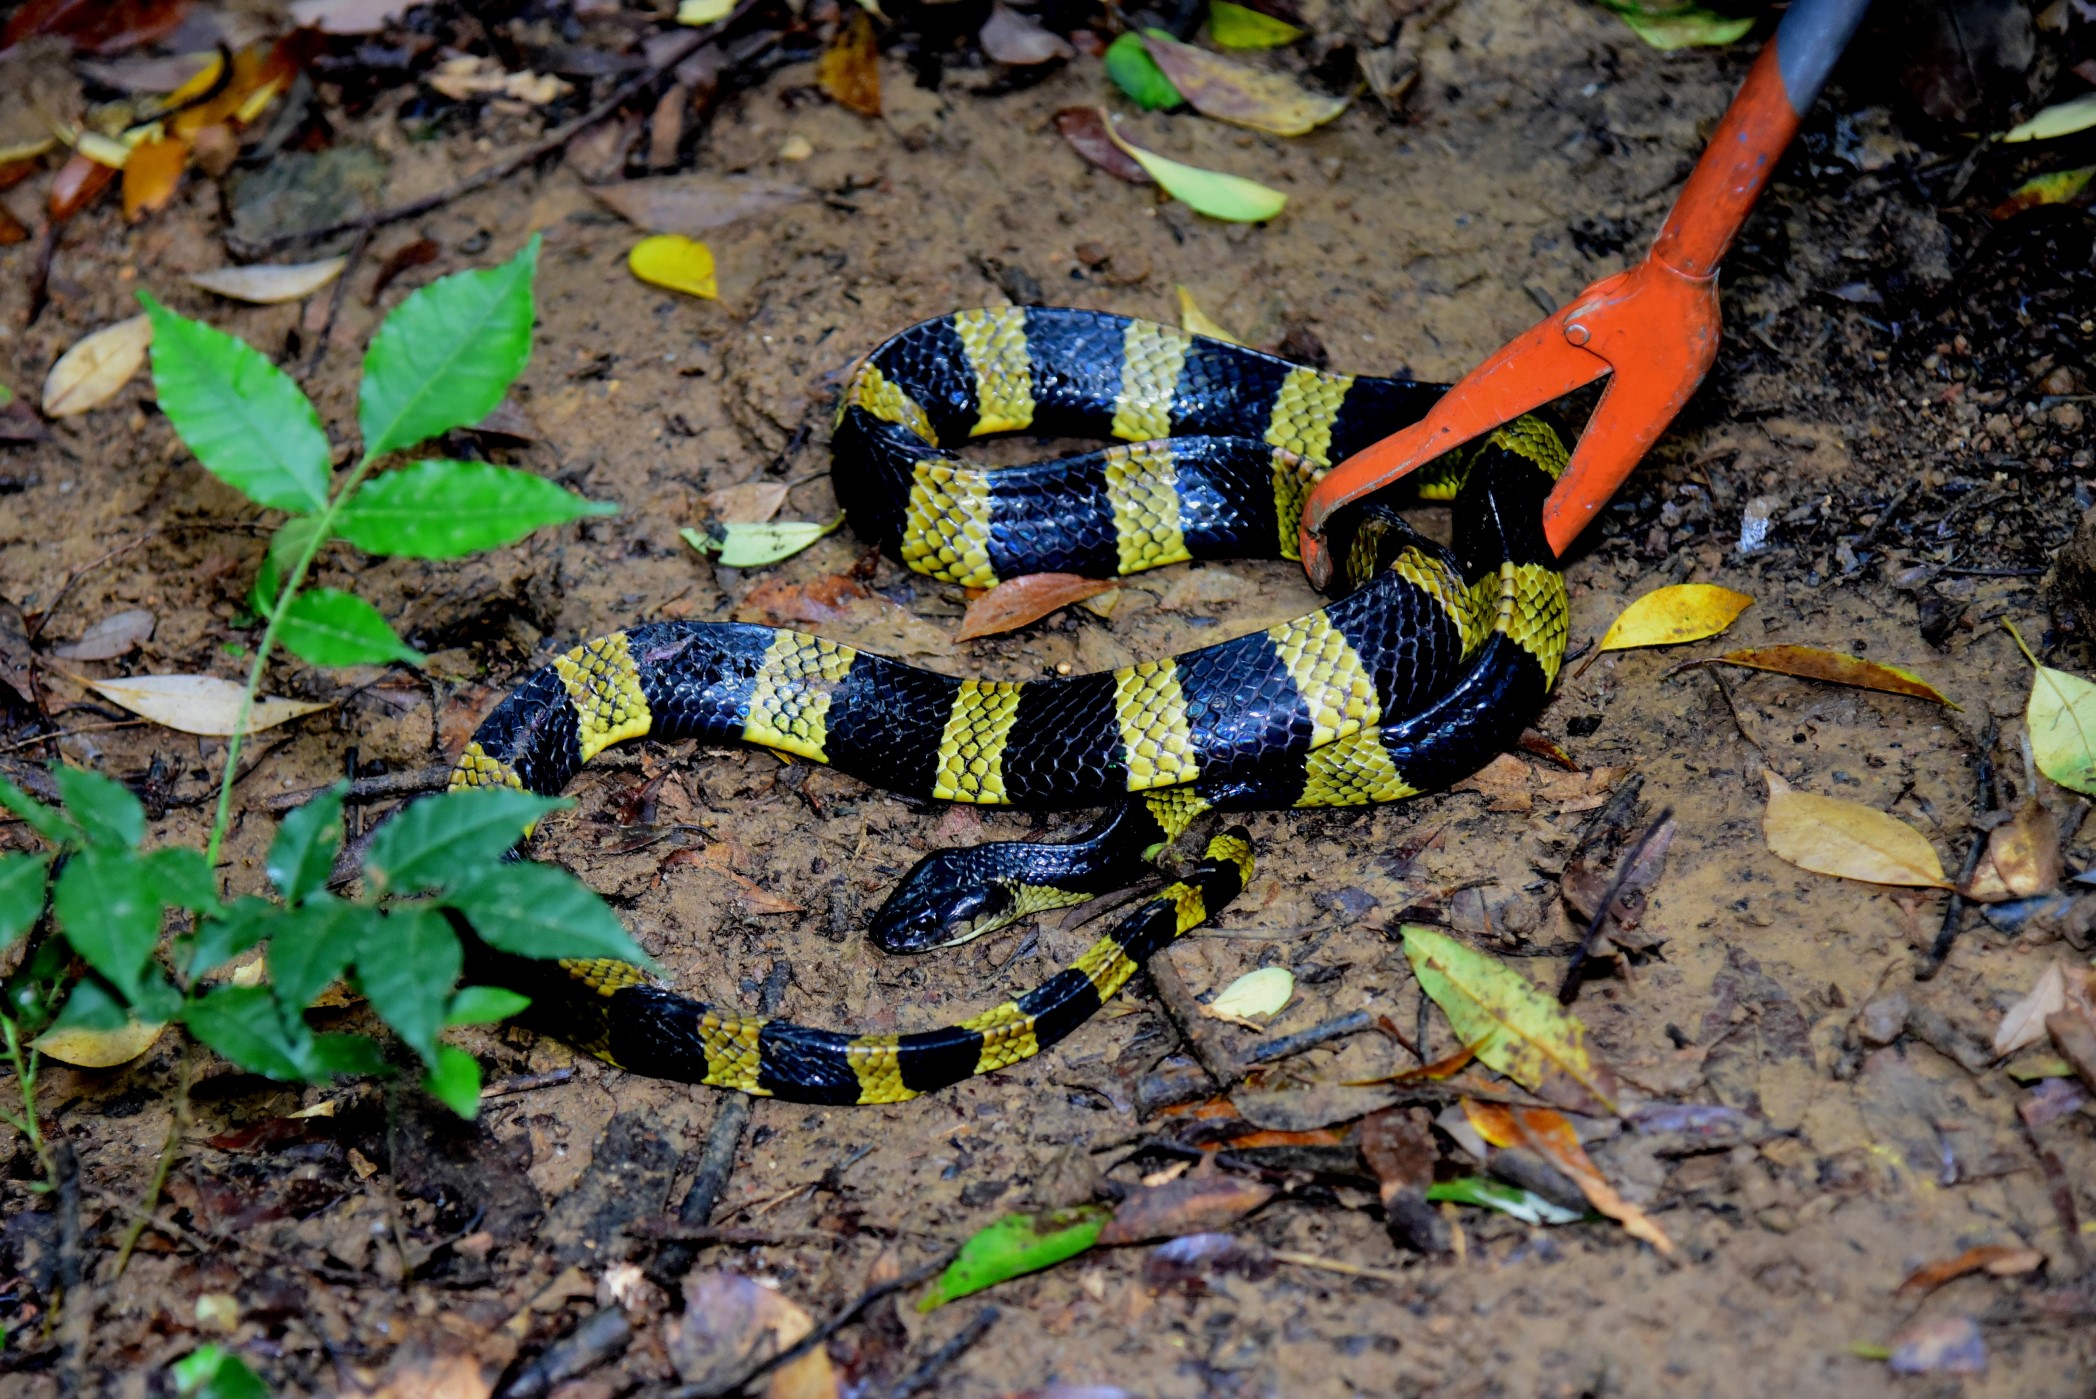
(1882, 349)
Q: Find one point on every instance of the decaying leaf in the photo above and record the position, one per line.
(2061, 720)
(89, 374)
(1509, 1024)
(115, 635)
(849, 69)
(1240, 27)
(1231, 198)
(754, 546)
(677, 263)
(1202, 1200)
(1815, 663)
(1194, 321)
(2023, 1024)
(2002, 1260)
(1829, 835)
(730, 1322)
(1674, 614)
(1398, 1145)
(2022, 859)
(2053, 187)
(1550, 1136)
(198, 704)
(1229, 91)
(694, 204)
(1085, 129)
(1018, 602)
(751, 503)
(1262, 992)
(1019, 40)
(1015, 1245)
(100, 1049)
(264, 284)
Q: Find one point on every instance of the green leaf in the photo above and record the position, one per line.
(328, 627)
(2061, 720)
(440, 840)
(244, 1025)
(1509, 1024)
(285, 546)
(541, 911)
(448, 509)
(91, 1008)
(107, 812)
(232, 931)
(2060, 119)
(1016, 1244)
(211, 1372)
(313, 944)
(344, 1056)
(1668, 24)
(22, 878)
(179, 877)
(303, 855)
(454, 1081)
(49, 822)
(1524, 1205)
(1134, 72)
(1229, 197)
(1237, 27)
(105, 906)
(484, 1005)
(407, 963)
(446, 355)
(756, 545)
(247, 422)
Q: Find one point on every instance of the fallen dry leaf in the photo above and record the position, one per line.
(1829, 835)
(1833, 667)
(1085, 129)
(729, 1321)
(2060, 717)
(2022, 859)
(2002, 1260)
(1195, 1203)
(152, 173)
(76, 186)
(2023, 1024)
(89, 374)
(264, 284)
(1674, 614)
(1017, 602)
(1552, 1137)
(198, 704)
(1019, 40)
(694, 204)
(100, 1049)
(775, 601)
(1229, 91)
(1944, 1345)
(113, 636)
(751, 503)
(849, 69)
(2073, 1033)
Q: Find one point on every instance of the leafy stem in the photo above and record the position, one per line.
(25, 1065)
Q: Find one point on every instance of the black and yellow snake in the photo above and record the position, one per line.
(1429, 663)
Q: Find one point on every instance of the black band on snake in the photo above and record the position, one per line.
(1430, 662)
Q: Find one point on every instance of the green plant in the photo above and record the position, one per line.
(443, 359)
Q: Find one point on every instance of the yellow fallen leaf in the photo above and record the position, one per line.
(2061, 719)
(1828, 835)
(1195, 321)
(671, 260)
(703, 11)
(99, 1049)
(1262, 992)
(1667, 616)
(89, 374)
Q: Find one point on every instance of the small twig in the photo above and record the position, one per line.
(526, 1083)
(599, 1338)
(1717, 678)
(1892, 508)
(530, 155)
(57, 734)
(327, 328)
(922, 1377)
(1334, 1265)
(1624, 870)
(1185, 1013)
(178, 1119)
(1954, 910)
(389, 784)
(1309, 1039)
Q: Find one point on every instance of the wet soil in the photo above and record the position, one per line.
(1881, 398)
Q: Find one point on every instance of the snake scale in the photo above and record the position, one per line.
(1427, 663)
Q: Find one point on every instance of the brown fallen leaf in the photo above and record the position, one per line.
(2023, 1024)
(751, 503)
(2022, 859)
(2001, 1260)
(1550, 1135)
(849, 69)
(1085, 129)
(1017, 602)
(2074, 1035)
(730, 1321)
(76, 185)
(694, 204)
(1834, 667)
(115, 635)
(1398, 1145)
(89, 374)
(1019, 40)
(774, 600)
(1829, 835)
(1229, 91)
(1197, 1202)
(152, 174)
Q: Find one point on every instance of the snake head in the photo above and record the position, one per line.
(938, 904)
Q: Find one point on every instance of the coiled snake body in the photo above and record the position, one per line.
(1429, 663)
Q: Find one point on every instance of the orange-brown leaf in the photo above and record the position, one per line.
(1550, 1135)
(849, 70)
(1835, 668)
(2022, 860)
(1999, 1259)
(1018, 601)
(1196, 1203)
(152, 174)
(76, 186)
